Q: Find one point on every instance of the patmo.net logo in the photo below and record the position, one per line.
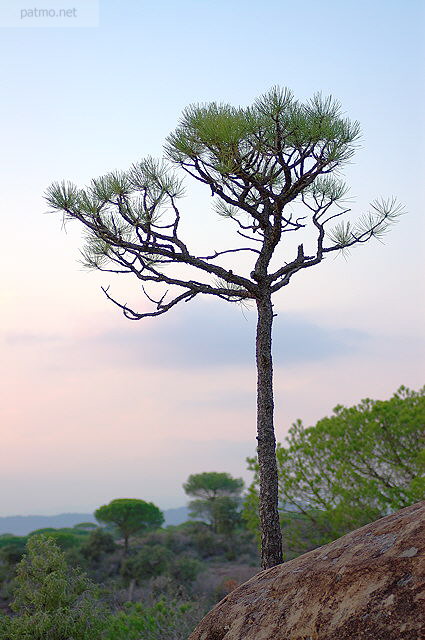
(48, 13)
(52, 13)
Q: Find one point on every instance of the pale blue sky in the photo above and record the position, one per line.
(132, 410)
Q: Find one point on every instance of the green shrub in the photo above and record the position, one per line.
(98, 543)
(150, 561)
(163, 621)
(51, 601)
(178, 541)
(184, 569)
(207, 543)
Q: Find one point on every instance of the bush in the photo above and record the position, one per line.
(97, 544)
(51, 601)
(173, 538)
(178, 541)
(207, 544)
(185, 569)
(165, 620)
(150, 561)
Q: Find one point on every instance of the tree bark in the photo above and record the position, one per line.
(271, 534)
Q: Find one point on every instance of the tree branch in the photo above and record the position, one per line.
(161, 308)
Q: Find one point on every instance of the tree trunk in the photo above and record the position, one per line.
(271, 535)
(131, 590)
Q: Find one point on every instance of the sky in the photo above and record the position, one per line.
(96, 407)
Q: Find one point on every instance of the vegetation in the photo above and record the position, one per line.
(358, 465)
(218, 499)
(130, 516)
(51, 601)
(165, 620)
(85, 589)
(97, 544)
(11, 549)
(273, 169)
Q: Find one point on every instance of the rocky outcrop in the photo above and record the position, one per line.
(367, 585)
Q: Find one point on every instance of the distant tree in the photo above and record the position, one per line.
(273, 170)
(358, 465)
(10, 538)
(130, 516)
(211, 485)
(11, 553)
(51, 601)
(64, 538)
(43, 530)
(218, 498)
(225, 512)
(86, 526)
(97, 544)
(250, 504)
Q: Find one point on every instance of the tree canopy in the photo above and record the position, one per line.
(211, 485)
(353, 467)
(217, 498)
(273, 169)
(130, 516)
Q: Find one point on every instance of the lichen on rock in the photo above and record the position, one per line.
(367, 585)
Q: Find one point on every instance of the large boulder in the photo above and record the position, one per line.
(368, 585)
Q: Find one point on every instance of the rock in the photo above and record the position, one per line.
(367, 585)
